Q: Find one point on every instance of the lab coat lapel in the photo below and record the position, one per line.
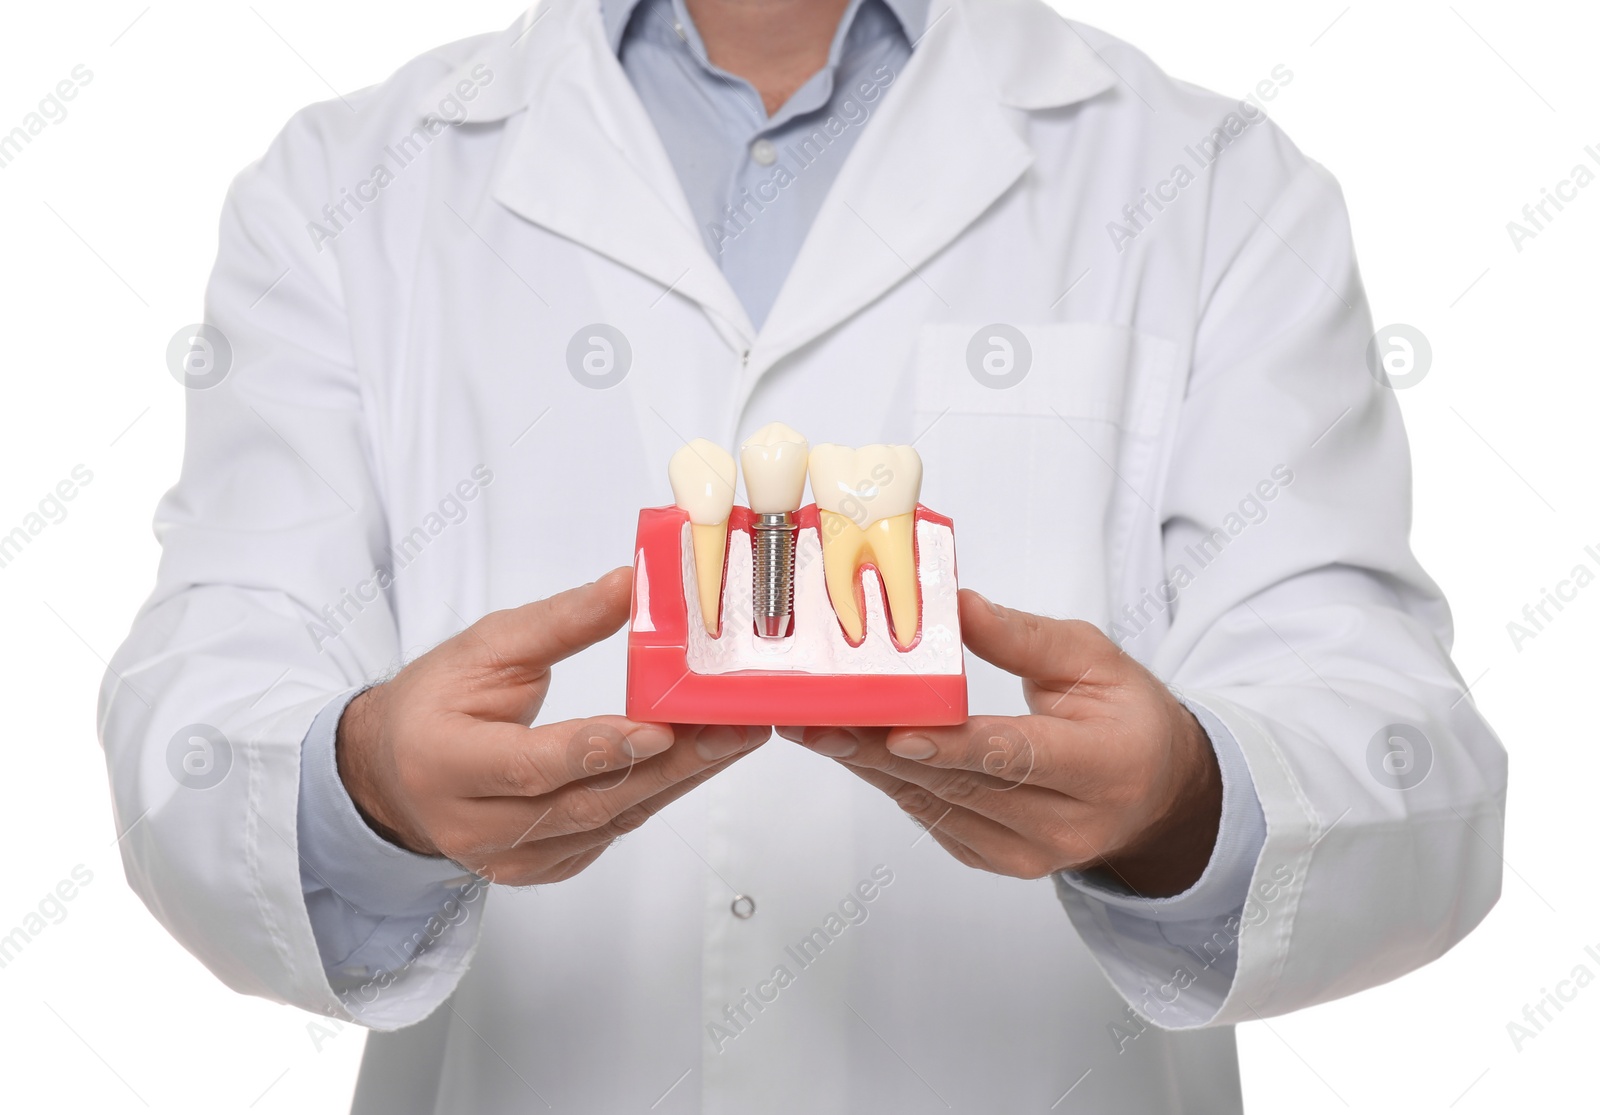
(944, 146)
(587, 164)
(939, 151)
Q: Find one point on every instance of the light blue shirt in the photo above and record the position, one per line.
(754, 182)
(368, 900)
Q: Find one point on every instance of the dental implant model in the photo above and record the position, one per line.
(837, 613)
(774, 460)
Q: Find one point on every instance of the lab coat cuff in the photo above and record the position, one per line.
(341, 852)
(1225, 883)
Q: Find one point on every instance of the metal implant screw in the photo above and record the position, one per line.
(772, 600)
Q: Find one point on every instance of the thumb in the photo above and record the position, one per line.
(1051, 652)
(540, 634)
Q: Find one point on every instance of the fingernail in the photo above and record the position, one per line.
(793, 735)
(996, 610)
(649, 739)
(913, 747)
(719, 741)
(835, 745)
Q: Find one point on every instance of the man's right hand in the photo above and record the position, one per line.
(441, 760)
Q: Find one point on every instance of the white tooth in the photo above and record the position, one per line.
(774, 462)
(867, 484)
(703, 476)
(867, 502)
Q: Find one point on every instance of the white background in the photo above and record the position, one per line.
(1441, 123)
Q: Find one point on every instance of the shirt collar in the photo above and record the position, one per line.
(911, 14)
(1035, 59)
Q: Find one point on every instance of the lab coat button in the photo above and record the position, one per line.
(764, 152)
(743, 907)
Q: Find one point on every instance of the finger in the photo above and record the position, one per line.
(492, 759)
(1033, 812)
(516, 865)
(536, 871)
(1034, 750)
(972, 838)
(928, 816)
(835, 743)
(567, 868)
(591, 804)
(535, 636)
(1054, 652)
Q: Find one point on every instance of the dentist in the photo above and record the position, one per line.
(472, 312)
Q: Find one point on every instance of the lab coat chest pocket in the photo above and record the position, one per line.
(1044, 444)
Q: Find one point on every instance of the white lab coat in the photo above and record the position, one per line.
(1170, 376)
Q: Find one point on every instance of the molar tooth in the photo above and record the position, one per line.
(867, 502)
(703, 475)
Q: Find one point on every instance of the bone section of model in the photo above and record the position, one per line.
(818, 645)
(703, 476)
(867, 502)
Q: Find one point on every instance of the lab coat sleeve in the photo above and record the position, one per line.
(379, 912)
(1301, 622)
(1140, 939)
(270, 602)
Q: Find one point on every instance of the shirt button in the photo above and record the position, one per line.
(743, 907)
(764, 152)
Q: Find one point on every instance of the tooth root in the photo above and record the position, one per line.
(702, 475)
(842, 545)
(889, 545)
(710, 556)
(893, 545)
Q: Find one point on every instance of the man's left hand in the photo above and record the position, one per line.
(1110, 774)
